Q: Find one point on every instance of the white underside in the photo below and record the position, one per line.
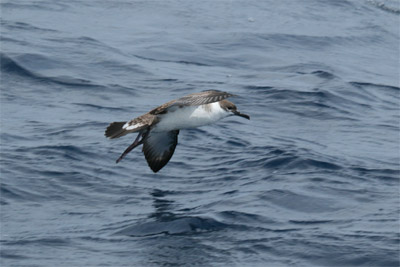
(190, 117)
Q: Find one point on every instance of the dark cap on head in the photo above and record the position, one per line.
(229, 106)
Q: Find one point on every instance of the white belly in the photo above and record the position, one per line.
(190, 117)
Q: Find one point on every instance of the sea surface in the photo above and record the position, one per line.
(311, 180)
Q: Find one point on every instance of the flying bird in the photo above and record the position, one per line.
(158, 129)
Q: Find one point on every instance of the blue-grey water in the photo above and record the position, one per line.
(311, 180)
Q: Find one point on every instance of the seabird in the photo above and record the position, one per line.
(159, 128)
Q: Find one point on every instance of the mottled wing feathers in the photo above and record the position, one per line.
(158, 148)
(140, 123)
(202, 98)
(121, 128)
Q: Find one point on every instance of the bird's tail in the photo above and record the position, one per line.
(115, 130)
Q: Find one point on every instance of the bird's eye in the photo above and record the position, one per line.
(229, 108)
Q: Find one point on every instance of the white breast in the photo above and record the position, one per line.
(190, 117)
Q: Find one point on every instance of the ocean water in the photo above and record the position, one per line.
(311, 180)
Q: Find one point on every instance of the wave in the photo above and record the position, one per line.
(11, 193)
(40, 6)
(98, 107)
(67, 152)
(8, 65)
(381, 86)
(237, 217)
(383, 6)
(298, 202)
(174, 61)
(384, 174)
(18, 26)
(40, 241)
(14, 66)
(173, 226)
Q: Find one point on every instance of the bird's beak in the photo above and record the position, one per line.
(237, 113)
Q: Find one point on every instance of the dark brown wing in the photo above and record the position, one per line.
(202, 98)
(158, 148)
(114, 130)
(161, 109)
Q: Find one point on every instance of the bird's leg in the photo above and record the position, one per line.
(132, 146)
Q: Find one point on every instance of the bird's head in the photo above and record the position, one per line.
(231, 109)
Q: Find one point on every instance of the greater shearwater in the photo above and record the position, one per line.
(159, 128)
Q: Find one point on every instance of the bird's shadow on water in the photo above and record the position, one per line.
(164, 221)
(173, 239)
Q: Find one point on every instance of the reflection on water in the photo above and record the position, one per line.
(164, 221)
